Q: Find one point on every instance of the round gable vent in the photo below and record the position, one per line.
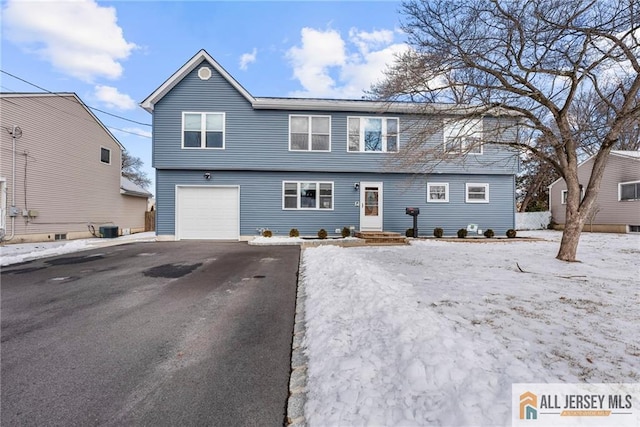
(204, 73)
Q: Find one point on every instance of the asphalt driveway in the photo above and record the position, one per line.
(162, 334)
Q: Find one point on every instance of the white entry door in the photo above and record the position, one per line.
(370, 206)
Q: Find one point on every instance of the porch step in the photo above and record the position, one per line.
(381, 238)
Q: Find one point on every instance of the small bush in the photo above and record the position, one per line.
(294, 232)
(322, 233)
(511, 233)
(438, 232)
(409, 232)
(462, 233)
(345, 232)
(267, 233)
(489, 233)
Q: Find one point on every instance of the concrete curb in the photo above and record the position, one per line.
(299, 360)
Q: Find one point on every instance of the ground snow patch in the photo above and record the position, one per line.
(436, 333)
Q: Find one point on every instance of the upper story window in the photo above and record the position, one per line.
(629, 190)
(307, 195)
(373, 134)
(477, 193)
(105, 155)
(437, 192)
(463, 136)
(309, 133)
(203, 130)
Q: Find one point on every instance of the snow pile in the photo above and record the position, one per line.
(21, 252)
(276, 240)
(282, 240)
(436, 333)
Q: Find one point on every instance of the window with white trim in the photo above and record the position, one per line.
(437, 192)
(372, 134)
(307, 195)
(629, 190)
(463, 136)
(105, 155)
(563, 195)
(309, 133)
(203, 130)
(477, 193)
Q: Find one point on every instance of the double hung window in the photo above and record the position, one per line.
(463, 136)
(477, 193)
(203, 130)
(309, 133)
(437, 192)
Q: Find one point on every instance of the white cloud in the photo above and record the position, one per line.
(114, 99)
(79, 38)
(248, 58)
(328, 66)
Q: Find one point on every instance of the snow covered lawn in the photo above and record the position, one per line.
(435, 333)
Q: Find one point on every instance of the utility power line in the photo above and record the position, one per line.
(88, 106)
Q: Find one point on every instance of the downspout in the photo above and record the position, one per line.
(14, 131)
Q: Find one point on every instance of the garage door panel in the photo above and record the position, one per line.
(207, 213)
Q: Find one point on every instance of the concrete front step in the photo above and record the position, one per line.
(381, 238)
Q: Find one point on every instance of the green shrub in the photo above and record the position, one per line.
(511, 233)
(294, 232)
(346, 232)
(322, 233)
(462, 233)
(438, 232)
(409, 232)
(267, 233)
(489, 233)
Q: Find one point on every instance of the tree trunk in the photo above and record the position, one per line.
(570, 240)
(575, 218)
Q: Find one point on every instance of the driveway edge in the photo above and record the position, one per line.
(299, 360)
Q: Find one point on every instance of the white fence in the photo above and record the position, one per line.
(532, 220)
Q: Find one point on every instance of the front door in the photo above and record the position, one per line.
(370, 206)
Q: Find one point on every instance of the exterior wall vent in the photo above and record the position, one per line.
(204, 73)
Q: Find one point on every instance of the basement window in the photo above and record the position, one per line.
(60, 236)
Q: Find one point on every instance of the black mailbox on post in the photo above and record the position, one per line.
(414, 212)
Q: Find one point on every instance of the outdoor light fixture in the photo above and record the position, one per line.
(207, 176)
(356, 186)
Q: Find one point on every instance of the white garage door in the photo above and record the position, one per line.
(207, 213)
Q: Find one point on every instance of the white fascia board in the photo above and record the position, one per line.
(170, 83)
(374, 107)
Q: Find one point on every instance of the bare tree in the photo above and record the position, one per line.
(132, 170)
(549, 62)
(533, 184)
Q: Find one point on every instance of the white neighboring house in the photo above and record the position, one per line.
(618, 205)
(60, 171)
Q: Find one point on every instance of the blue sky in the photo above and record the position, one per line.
(113, 54)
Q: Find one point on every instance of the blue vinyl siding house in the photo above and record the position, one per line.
(229, 164)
